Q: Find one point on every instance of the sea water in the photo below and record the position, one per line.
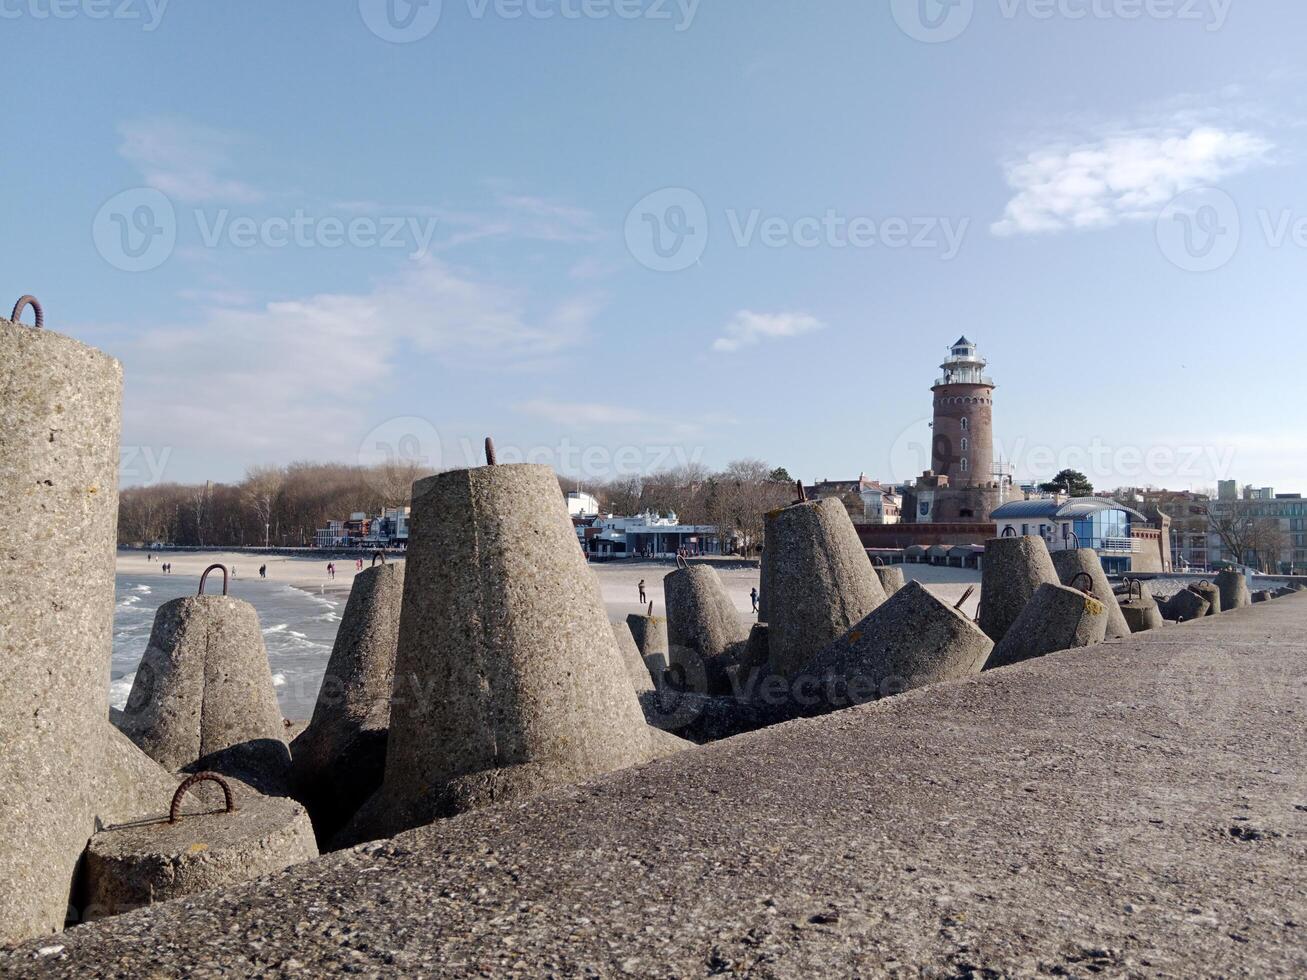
(298, 629)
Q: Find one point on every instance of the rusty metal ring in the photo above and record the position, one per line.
(35, 304)
(681, 562)
(376, 555)
(1073, 534)
(1009, 531)
(1203, 582)
(878, 562)
(491, 458)
(1077, 577)
(205, 577)
(175, 811)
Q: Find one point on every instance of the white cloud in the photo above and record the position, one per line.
(1127, 176)
(183, 160)
(291, 379)
(748, 328)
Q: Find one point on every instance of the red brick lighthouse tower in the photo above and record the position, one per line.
(962, 446)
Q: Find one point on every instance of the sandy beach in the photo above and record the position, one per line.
(618, 581)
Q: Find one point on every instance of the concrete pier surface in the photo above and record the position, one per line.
(1134, 808)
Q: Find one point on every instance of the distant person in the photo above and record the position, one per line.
(263, 571)
(331, 569)
(233, 571)
(643, 600)
(753, 597)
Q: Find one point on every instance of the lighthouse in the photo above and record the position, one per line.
(960, 487)
(962, 444)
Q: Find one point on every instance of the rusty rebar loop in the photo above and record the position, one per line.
(1075, 537)
(1083, 575)
(1009, 532)
(651, 610)
(491, 458)
(803, 494)
(376, 555)
(35, 304)
(681, 562)
(971, 590)
(878, 562)
(175, 811)
(205, 577)
(1136, 587)
(1203, 581)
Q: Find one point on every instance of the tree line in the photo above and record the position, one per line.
(283, 506)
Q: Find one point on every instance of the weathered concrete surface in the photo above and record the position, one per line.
(1185, 606)
(910, 641)
(508, 680)
(1056, 618)
(143, 862)
(1011, 570)
(204, 685)
(700, 615)
(891, 579)
(59, 421)
(650, 633)
(820, 581)
(641, 678)
(1074, 562)
(1136, 809)
(338, 761)
(1234, 590)
(1211, 593)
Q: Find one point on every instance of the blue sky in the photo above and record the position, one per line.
(623, 234)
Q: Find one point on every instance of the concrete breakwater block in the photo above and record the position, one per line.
(508, 679)
(641, 678)
(1184, 606)
(1262, 595)
(59, 425)
(700, 615)
(1011, 571)
(1085, 561)
(1234, 590)
(198, 848)
(1056, 618)
(821, 582)
(338, 761)
(764, 566)
(1212, 594)
(1140, 609)
(204, 686)
(650, 634)
(891, 579)
(911, 640)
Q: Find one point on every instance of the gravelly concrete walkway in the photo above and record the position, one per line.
(1135, 809)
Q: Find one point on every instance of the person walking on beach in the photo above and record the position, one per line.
(331, 569)
(753, 597)
(643, 600)
(263, 571)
